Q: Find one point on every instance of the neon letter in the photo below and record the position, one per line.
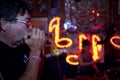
(81, 38)
(113, 43)
(69, 57)
(96, 48)
(52, 26)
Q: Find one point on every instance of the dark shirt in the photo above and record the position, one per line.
(85, 68)
(12, 61)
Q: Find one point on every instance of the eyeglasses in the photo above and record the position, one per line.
(28, 23)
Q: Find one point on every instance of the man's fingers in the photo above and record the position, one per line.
(34, 31)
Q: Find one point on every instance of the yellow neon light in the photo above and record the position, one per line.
(96, 48)
(113, 43)
(72, 57)
(81, 38)
(53, 26)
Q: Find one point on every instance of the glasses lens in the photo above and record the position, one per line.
(29, 23)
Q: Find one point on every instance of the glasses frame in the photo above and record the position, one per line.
(25, 22)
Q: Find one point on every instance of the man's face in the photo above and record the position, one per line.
(87, 47)
(17, 30)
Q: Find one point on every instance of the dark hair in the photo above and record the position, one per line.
(85, 43)
(10, 8)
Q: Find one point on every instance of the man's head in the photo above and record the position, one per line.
(14, 18)
(86, 44)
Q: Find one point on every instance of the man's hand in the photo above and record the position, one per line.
(36, 41)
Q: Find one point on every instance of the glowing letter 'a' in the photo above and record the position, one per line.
(54, 24)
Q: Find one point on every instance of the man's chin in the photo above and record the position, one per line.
(18, 43)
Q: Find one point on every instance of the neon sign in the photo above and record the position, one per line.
(96, 48)
(54, 26)
(113, 43)
(81, 38)
(69, 57)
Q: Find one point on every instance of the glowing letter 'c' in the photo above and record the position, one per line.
(113, 43)
(72, 57)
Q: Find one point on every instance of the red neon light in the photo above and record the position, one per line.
(57, 40)
(75, 57)
(113, 43)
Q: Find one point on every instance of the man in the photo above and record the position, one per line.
(20, 46)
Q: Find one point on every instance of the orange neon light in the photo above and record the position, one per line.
(81, 38)
(96, 48)
(53, 26)
(72, 62)
(113, 43)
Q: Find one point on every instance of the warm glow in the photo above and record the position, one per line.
(55, 26)
(98, 14)
(70, 61)
(113, 43)
(81, 38)
(96, 48)
(73, 59)
(93, 11)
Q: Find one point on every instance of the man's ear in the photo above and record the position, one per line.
(4, 24)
